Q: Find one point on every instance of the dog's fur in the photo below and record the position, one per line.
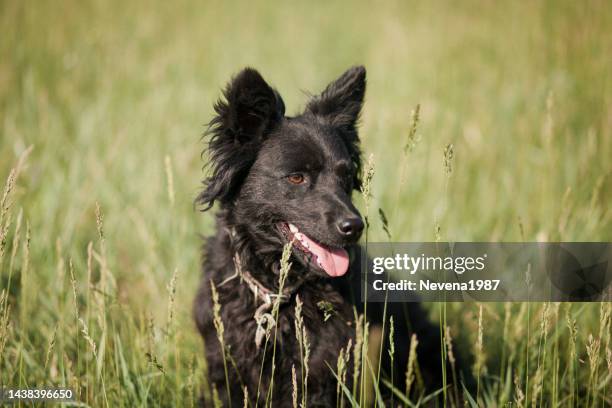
(253, 148)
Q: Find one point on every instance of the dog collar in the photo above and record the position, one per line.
(260, 292)
(264, 319)
(263, 314)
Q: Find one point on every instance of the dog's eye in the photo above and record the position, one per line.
(296, 178)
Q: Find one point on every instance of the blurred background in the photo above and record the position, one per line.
(106, 101)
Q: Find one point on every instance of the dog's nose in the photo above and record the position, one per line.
(350, 227)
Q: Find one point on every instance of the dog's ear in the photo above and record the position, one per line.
(342, 100)
(249, 110)
(340, 105)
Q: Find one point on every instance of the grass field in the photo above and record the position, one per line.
(102, 105)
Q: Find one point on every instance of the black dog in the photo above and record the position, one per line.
(280, 179)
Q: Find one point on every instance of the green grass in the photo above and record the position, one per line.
(113, 96)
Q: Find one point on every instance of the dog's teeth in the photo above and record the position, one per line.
(293, 228)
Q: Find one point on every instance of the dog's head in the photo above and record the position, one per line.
(289, 178)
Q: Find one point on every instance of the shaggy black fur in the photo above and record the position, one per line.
(268, 169)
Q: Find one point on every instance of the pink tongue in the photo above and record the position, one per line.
(334, 261)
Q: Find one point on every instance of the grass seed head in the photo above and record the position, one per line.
(217, 321)
(5, 322)
(366, 185)
(448, 340)
(411, 368)
(171, 300)
(413, 138)
(449, 155)
(5, 203)
(294, 387)
(90, 341)
(170, 179)
(391, 342)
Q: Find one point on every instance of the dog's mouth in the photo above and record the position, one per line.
(333, 261)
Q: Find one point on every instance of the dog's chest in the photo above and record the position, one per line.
(318, 328)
